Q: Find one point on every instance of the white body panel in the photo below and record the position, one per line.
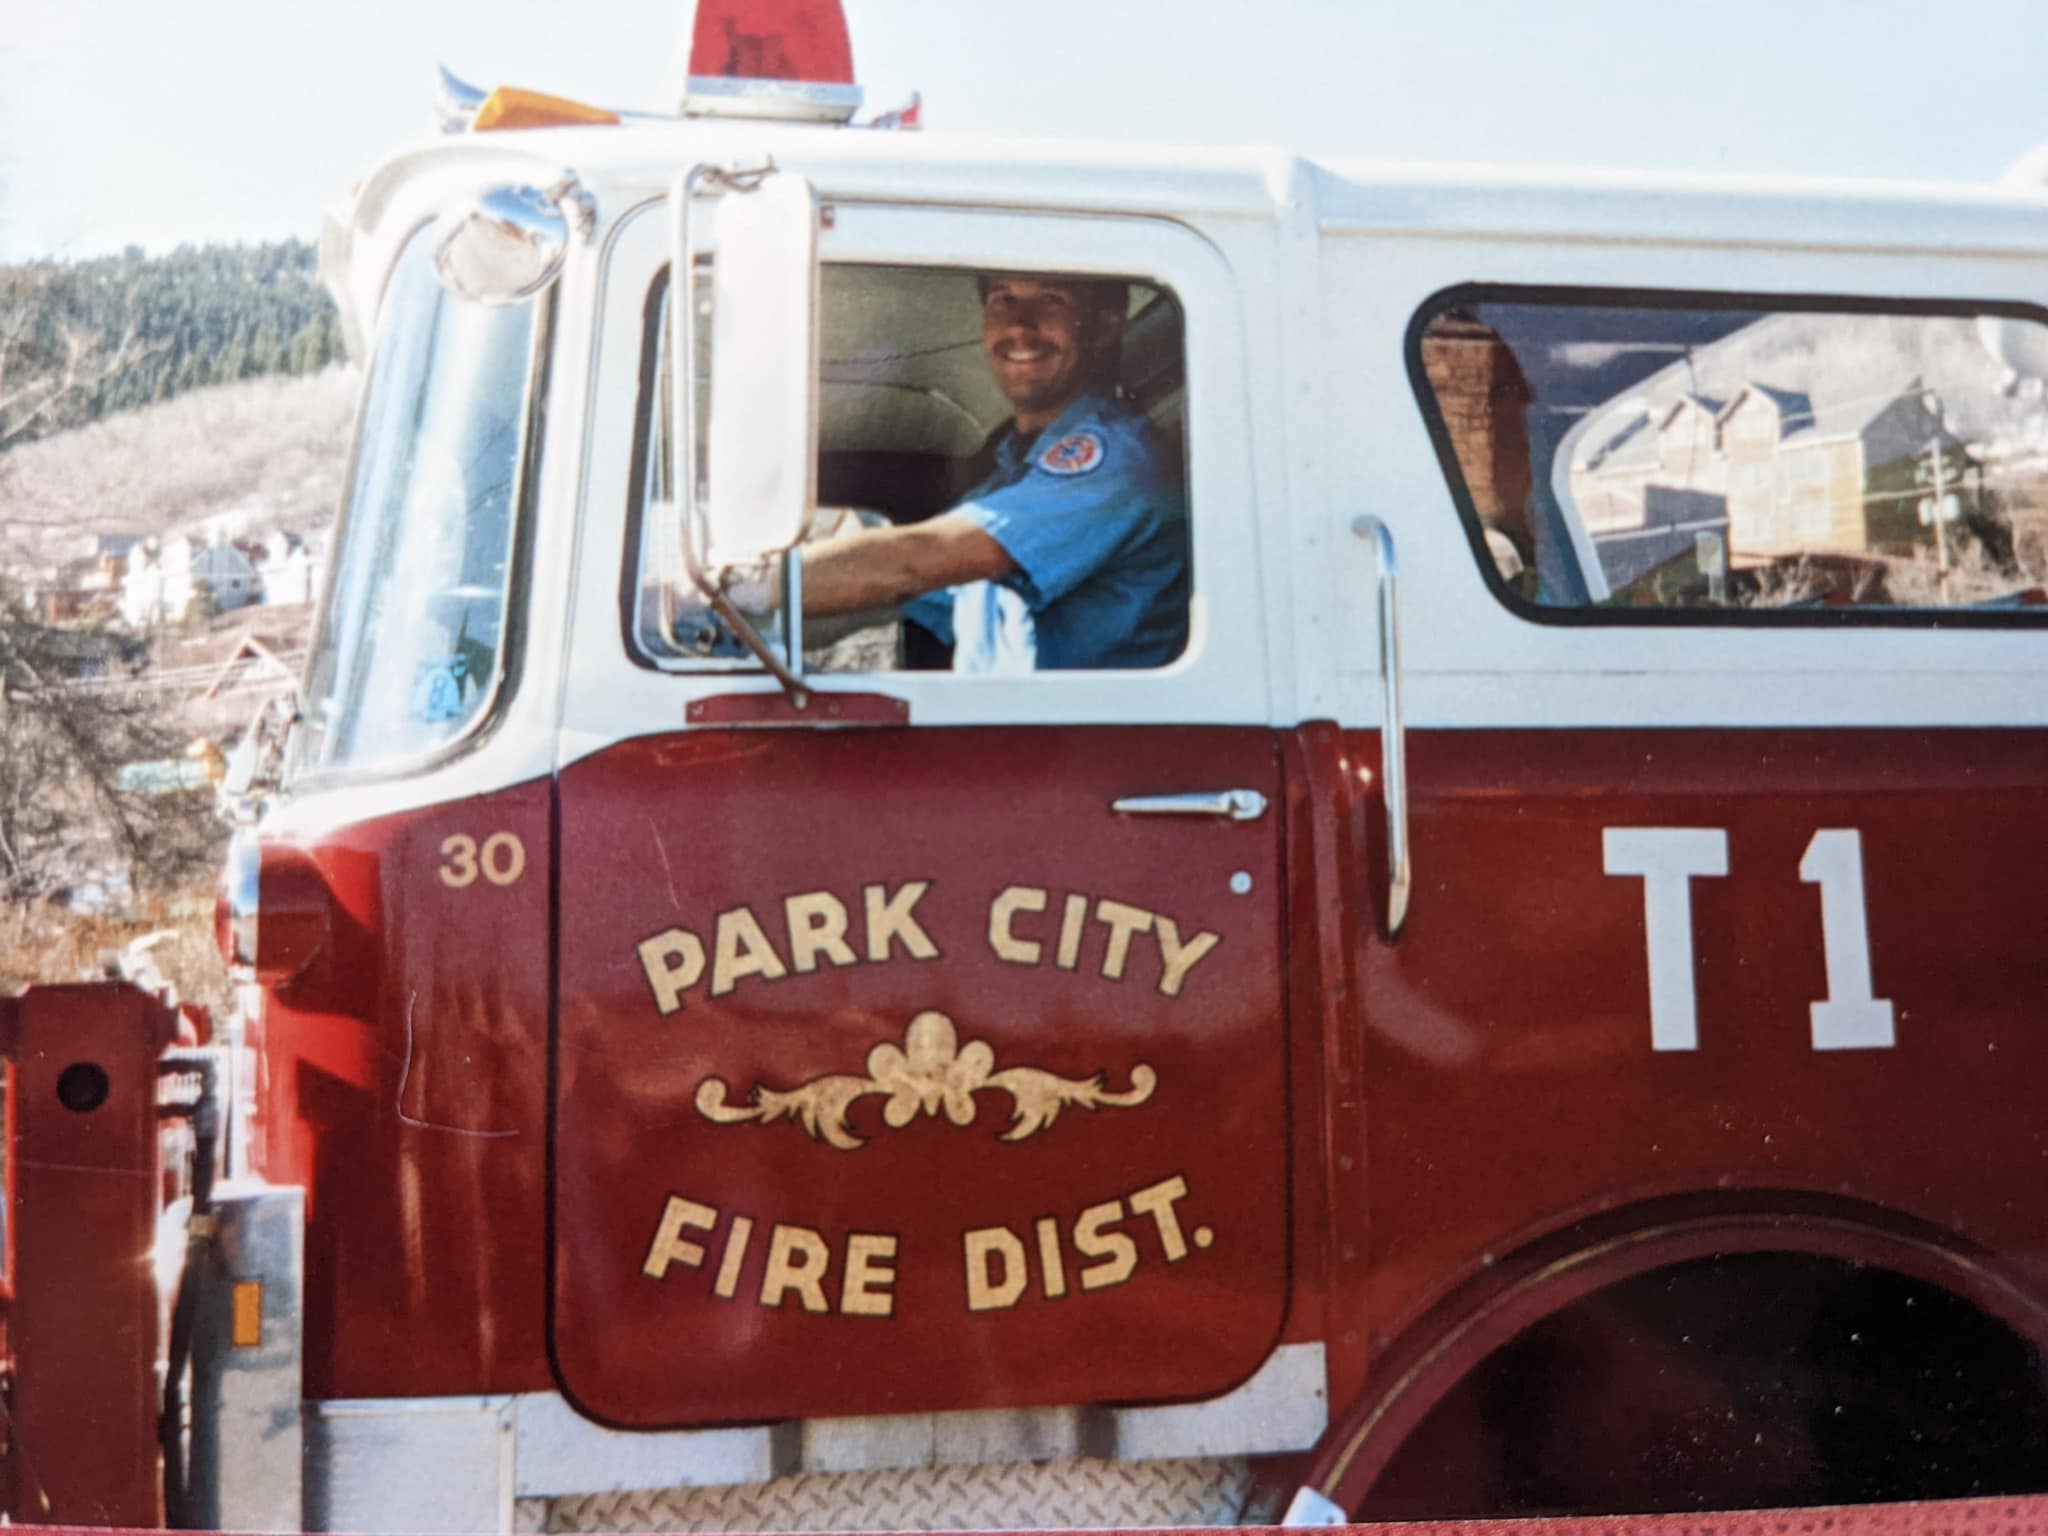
(1300, 281)
(1470, 661)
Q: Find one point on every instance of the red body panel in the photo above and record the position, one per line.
(1383, 1142)
(1125, 1251)
(1509, 1085)
(81, 1422)
(403, 1081)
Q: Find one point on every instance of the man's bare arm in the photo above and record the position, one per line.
(881, 568)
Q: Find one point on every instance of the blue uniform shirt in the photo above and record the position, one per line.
(1093, 513)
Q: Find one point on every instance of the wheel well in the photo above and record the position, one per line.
(1730, 1380)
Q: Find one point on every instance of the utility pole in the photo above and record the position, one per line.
(1940, 526)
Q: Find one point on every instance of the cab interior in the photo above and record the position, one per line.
(908, 411)
(908, 420)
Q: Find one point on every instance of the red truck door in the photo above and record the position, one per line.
(902, 1062)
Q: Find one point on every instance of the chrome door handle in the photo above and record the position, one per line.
(1237, 804)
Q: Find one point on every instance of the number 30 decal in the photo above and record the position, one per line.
(501, 860)
(1668, 859)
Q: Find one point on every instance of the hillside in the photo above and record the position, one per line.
(84, 871)
(111, 423)
(166, 324)
(274, 449)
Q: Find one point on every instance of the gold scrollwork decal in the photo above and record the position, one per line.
(928, 1073)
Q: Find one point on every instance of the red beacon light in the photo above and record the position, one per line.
(771, 58)
(787, 59)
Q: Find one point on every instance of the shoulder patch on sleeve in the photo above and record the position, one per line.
(1075, 454)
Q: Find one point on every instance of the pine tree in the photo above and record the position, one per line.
(195, 316)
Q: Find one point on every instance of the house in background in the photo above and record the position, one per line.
(166, 574)
(1652, 487)
(1773, 473)
(1845, 477)
(277, 567)
(287, 565)
(87, 580)
(228, 573)
(143, 601)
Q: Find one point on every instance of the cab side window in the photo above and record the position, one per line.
(1046, 409)
(1649, 456)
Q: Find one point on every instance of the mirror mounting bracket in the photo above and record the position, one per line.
(568, 193)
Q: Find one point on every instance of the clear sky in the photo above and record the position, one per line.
(162, 121)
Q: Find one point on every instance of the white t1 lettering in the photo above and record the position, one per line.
(1849, 1018)
(1666, 859)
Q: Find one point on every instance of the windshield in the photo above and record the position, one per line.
(410, 643)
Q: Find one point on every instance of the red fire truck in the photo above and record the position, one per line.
(1539, 1005)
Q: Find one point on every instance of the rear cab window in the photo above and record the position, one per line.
(1647, 458)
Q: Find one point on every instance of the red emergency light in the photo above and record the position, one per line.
(771, 58)
(772, 40)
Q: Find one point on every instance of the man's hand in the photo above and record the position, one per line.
(755, 589)
(694, 622)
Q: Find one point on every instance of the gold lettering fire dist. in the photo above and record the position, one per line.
(803, 1268)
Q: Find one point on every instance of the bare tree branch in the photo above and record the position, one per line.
(66, 818)
(88, 363)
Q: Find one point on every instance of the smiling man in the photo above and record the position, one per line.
(1073, 553)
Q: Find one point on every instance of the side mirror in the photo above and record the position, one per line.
(761, 478)
(508, 243)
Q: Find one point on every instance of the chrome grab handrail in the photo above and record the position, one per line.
(1393, 735)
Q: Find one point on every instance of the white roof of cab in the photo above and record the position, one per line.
(634, 161)
(1158, 179)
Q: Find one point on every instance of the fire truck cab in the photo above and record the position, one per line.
(1536, 1005)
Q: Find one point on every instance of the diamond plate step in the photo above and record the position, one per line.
(1012, 1496)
